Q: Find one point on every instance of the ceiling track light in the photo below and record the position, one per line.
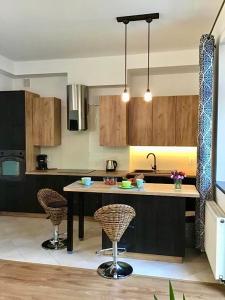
(148, 18)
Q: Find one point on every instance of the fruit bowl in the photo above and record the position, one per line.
(110, 180)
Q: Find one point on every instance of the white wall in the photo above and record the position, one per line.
(166, 84)
(6, 65)
(6, 82)
(105, 70)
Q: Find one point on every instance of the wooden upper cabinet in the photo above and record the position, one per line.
(47, 121)
(31, 150)
(113, 121)
(164, 111)
(140, 122)
(186, 120)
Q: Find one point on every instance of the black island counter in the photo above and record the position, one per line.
(159, 225)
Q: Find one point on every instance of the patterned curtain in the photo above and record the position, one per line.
(205, 172)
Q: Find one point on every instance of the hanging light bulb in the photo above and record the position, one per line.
(125, 95)
(148, 94)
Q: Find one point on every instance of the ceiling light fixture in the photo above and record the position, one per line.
(148, 18)
(148, 94)
(125, 94)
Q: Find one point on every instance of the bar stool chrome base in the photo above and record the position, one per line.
(111, 271)
(54, 245)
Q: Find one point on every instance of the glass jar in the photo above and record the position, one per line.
(177, 184)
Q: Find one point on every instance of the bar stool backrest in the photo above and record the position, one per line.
(55, 206)
(46, 197)
(115, 219)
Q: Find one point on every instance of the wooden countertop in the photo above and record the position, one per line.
(97, 173)
(64, 172)
(154, 189)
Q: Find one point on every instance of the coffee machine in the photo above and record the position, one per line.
(42, 162)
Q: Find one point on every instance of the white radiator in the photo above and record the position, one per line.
(215, 239)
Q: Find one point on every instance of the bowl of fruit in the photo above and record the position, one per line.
(110, 180)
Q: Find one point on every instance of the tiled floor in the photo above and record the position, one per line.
(21, 237)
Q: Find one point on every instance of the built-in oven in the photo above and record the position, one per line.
(12, 165)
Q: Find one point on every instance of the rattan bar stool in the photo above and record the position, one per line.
(114, 220)
(55, 206)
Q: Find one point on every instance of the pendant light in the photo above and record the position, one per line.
(148, 94)
(148, 18)
(125, 95)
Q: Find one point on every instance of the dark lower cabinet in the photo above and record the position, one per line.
(12, 196)
(21, 196)
(158, 228)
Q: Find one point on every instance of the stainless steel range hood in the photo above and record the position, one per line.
(77, 107)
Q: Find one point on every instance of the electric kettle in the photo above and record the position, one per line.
(111, 165)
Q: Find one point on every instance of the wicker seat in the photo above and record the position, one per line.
(114, 220)
(55, 206)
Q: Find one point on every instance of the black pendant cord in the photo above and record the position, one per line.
(148, 53)
(125, 65)
(217, 17)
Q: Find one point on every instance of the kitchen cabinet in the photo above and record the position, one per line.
(47, 121)
(113, 121)
(12, 120)
(163, 117)
(166, 121)
(21, 196)
(31, 150)
(16, 127)
(140, 122)
(186, 120)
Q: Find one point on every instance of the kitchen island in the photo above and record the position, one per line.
(159, 226)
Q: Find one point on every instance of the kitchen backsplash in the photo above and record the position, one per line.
(167, 158)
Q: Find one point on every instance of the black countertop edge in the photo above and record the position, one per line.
(221, 186)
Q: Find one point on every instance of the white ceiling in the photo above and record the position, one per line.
(48, 29)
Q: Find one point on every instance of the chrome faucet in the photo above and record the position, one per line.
(154, 166)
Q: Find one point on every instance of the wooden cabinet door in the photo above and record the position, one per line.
(47, 121)
(186, 120)
(113, 121)
(140, 122)
(164, 110)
